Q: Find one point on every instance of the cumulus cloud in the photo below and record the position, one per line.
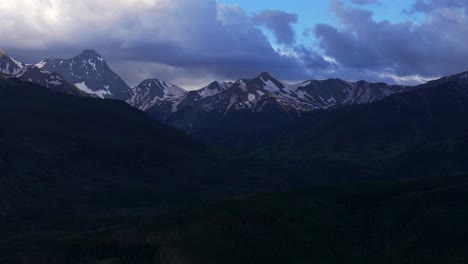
(280, 23)
(433, 47)
(192, 37)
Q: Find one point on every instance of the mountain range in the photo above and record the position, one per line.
(197, 111)
(231, 114)
(90, 73)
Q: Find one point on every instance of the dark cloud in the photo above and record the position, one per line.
(191, 37)
(278, 22)
(432, 48)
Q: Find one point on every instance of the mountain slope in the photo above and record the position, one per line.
(423, 132)
(50, 80)
(10, 66)
(90, 73)
(63, 154)
(335, 93)
(459, 78)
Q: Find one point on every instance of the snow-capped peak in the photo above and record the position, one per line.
(90, 73)
(270, 83)
(9, 66)
(149, 92)
(214, 88)
(90, 53)
(266, 76)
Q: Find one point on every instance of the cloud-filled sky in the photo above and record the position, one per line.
(192, 42)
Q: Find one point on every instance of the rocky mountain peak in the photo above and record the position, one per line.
(266, 76)
(90, 53)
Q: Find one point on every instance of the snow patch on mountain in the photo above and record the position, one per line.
(214, 88)
(41, 64)
(9, 66)
(91, 74)
(153, 91)
(99, 93)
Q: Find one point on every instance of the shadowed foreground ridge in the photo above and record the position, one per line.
(65, 154)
